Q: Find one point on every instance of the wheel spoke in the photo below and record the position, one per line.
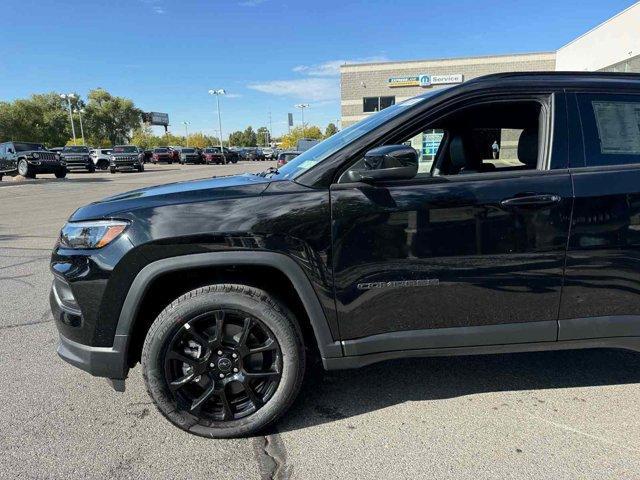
(227, 413)
(181, 382)
(253, 398)
(269, 345)
(248, 323)
(261, 374)
(219, 326)
(206, 395)
(173, 355)
(191, 332)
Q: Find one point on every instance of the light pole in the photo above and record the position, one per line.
(302, 106)
(80, 112)
(217, 93)
(186, 132)
(68, 98)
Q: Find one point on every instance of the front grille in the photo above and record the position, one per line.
(126, 159)
(46, 156)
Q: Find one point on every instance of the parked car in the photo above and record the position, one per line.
(253, 154)
(175, 152)
(101, 157)
(286, 157)
(188, 155)
(29, 159)
(56, 149)
(126, 158)
(213, 155)
(225, 287)
(269, 153)
(78, 157)
(162, 154)
(306, 143)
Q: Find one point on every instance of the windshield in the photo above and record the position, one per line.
(211, 150)
(331, 145)
(188, 150)
(160, 150)
(26, 147)
(75, 149)
(125, 149)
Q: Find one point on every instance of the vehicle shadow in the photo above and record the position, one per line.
(41, 181)
(342, 394)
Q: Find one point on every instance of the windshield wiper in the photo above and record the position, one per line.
(269, 171)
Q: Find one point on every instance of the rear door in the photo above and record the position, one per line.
(456, 260)
(601, 296)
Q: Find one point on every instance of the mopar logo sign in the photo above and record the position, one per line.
(424, 80)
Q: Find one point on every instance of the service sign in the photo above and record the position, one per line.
(425, 80)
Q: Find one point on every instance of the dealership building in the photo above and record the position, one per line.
(365, 88)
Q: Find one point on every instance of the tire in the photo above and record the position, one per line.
(234, 160)
(61, 173)
(91, 168)
(103, 165)
(112, 170)
(141, 168)
(25, 169)
(266, 400)
(170, 162)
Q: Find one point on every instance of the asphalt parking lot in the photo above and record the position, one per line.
(539, 415)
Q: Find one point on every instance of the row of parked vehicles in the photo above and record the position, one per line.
(29, 159)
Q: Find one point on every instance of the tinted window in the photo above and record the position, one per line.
(188, 150)
(75, 149)
(375, 104)
(160, 150)
(125, 149)
(25, 147)
(611, 127)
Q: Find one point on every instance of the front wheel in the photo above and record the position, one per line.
(61, 173)
(112, 169)
(223, 361)
(141, 167)
(91, 168)
(25, 170)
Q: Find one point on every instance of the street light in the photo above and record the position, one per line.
(186, 131)
(302, 106)
(68, 98)
(80, 112)
(217, 93)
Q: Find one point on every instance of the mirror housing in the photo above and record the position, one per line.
(389, 162)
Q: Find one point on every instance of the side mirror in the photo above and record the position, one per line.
(10, 150)
(389, 162)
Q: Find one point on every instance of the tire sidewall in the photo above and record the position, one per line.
(177, 314)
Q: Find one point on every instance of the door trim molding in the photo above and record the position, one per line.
(508, 333)
(608, 326)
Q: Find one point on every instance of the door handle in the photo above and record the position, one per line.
(531, 201)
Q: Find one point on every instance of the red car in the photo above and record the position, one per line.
(161, 154)
(285, 157)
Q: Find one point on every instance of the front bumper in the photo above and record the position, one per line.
(125, 165)
(109, 362)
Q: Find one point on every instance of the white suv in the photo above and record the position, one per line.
(101, 157)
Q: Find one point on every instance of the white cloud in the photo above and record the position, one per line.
(310, 89)
(332, 67)
(233, 95)
(156, 6)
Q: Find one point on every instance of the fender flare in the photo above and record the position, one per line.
(328, 347)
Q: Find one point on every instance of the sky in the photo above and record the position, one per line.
(267, 54)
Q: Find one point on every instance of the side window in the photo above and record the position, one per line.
(3, 150)
(611, 128)
(375, 104)
(427, 144)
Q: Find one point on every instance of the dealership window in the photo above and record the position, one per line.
(611, 127)
(375, 104)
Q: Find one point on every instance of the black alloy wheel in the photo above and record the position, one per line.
(223, 365)
(223, 361)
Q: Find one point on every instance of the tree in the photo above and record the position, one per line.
(41, 118)
(290, 140)
(262, 135)
(330, 130)
(236, 138)
(249, 138)
(110, 118)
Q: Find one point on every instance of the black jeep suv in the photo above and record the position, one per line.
(406, 234)
(28, 159)
(126, 158)
(78, 157)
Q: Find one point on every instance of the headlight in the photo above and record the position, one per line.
(35, 155)
(95, 234)
(113, 158)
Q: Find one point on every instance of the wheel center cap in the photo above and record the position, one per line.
(224, 364)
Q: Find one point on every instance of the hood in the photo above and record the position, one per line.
(246, 185)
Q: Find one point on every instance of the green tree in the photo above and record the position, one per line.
(110, 118)
(236, 138)
(262, 135)
(249, 138)
(330, 130)
(41, 118)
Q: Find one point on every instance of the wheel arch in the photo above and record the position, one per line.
(131, 308)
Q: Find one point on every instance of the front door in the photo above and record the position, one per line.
(469, 253)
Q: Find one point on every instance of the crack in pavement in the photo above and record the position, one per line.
(46, 317)
(271, 456)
